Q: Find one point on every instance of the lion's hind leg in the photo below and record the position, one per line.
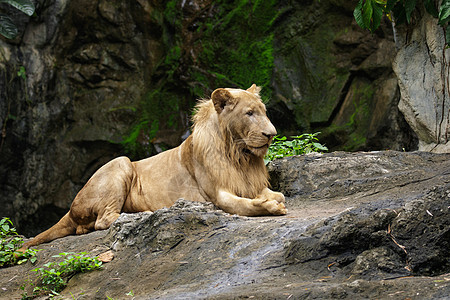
(96, 206)
(101, 200)
(85, 228)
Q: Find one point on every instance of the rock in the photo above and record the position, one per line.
(339, 175)
(87, 66)
(106, 257)
(330, 76)
(422, 68)
(360, 225)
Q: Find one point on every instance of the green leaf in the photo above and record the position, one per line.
(320, 147)
(367, 13)
(409, 7)
(25, 6)
(377, 15)
(444, 12)
(22, 72)
(399, 13)
(7, 27)
(431, 8)
(357, 13)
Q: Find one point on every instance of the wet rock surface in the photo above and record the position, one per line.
(360, 225)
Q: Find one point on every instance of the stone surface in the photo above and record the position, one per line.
(87, 66)
(331, 76)
(422, 68)
(360, 226)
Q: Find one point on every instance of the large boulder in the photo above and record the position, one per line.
(363, 225)
(422, 68)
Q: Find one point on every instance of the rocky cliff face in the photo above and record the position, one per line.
(360, 226)
(331, 76)
(75, 103)
(422, 66)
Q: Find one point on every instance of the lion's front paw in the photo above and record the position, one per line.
(275, 207)
(279, 197)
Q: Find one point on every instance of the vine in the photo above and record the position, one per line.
(54, 276)
(10, 241)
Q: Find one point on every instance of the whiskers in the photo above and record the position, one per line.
(241, 143)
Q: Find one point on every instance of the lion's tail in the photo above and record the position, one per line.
(66, 226)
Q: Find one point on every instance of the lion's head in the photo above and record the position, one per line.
(230, 138)
(242, 116)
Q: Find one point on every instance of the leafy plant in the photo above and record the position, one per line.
(368, 13)
(300, 144)
(7, 28)
(10, 241)
(22, 73)
(53, 276)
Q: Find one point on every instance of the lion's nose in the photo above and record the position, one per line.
(269, 131)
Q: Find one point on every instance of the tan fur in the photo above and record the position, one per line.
(221, 162)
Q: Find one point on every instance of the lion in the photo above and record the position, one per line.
(221, 162)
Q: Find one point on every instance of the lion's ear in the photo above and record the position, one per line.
(254, 89)
(222, 98)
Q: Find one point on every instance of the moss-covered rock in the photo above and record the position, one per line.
(329, 77)
(307, 77)
(208, 45)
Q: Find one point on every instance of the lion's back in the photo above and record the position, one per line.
(160, 180)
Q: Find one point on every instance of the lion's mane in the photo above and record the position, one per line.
(228, 163)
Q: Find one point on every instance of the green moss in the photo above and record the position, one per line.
(234, 48)
(158, 108)
(322, 72)
(310, 74)
(237, 45)
(353, 133)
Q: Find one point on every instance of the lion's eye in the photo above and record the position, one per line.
(250, 113)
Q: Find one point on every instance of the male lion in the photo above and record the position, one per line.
(221, 162)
